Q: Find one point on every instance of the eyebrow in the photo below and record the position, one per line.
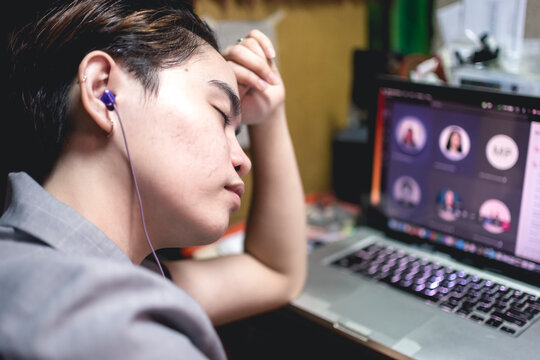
(235, 101)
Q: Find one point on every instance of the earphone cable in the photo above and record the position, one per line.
(138, 194)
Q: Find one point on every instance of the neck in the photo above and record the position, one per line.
(94, 178)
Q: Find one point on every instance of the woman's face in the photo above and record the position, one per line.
(186, 155)
(449, 198)
(455, 140)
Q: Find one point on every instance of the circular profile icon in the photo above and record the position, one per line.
(454, 143)
(502, 152)
(495, 216)
(410, 135)
(449, 205)
(406, 191)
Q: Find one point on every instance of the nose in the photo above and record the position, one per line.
(239, 159)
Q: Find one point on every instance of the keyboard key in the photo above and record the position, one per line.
(468, 304)
(508, 330)
(360, 267)
(487, 298)
(382, 276)
(499, 305)
(518, 304)
(405, 283)
(448, 306)
(485, 308)
(449, 283)
(478, 285)
(534, 304)
(454, 300)
(494, 289)
(494, 322)
(519, 314)
(476, 318)
(464, 311)
(505, 316)
(438, 296)
(531, 310)
(518, 295)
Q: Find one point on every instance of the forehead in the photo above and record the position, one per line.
(209, 65)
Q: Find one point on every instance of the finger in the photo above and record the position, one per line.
(243, 56)
(242, 90)
(265, 42)
(248, 78)
(253, 45)
(260, 42)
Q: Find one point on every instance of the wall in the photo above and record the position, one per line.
(315, 42)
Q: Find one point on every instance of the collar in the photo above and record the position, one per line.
(35, 211)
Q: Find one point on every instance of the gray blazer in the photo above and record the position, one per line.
(68, 292)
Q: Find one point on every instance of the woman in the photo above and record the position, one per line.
(454, 143)
(449, 205)
(135, 113)
(408, 139)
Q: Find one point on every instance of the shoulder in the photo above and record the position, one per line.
(57, 306)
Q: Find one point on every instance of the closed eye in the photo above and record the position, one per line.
(226, 118)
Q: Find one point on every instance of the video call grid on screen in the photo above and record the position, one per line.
(461, 169)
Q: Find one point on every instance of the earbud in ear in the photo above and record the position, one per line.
(108, 99)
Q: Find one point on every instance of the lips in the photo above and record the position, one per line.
(238, 189)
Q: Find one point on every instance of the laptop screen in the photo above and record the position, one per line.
(459, 168)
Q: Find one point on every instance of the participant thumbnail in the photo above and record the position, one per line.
(406, 191)
(502, 152)
(449, 205)
(495, 216)
(454, 143)
(410, 135)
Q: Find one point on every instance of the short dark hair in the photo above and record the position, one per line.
(44, 55)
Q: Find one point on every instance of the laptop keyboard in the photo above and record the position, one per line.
(480, 300)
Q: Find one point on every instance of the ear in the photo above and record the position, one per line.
(95, 72)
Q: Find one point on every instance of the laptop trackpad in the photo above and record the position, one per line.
(384, 311)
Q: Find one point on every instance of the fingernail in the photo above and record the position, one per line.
(271, 52)
(262, 84)
(273, 78)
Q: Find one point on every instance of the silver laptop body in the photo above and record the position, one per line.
(490, 234)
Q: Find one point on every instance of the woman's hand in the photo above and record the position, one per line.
(259, 82)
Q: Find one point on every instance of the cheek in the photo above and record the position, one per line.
(199, 152)
(212, 159)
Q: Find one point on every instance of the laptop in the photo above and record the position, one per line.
(447, 262)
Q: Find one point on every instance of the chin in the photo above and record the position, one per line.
(209, 234)
(218, 233)
(192, 233)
